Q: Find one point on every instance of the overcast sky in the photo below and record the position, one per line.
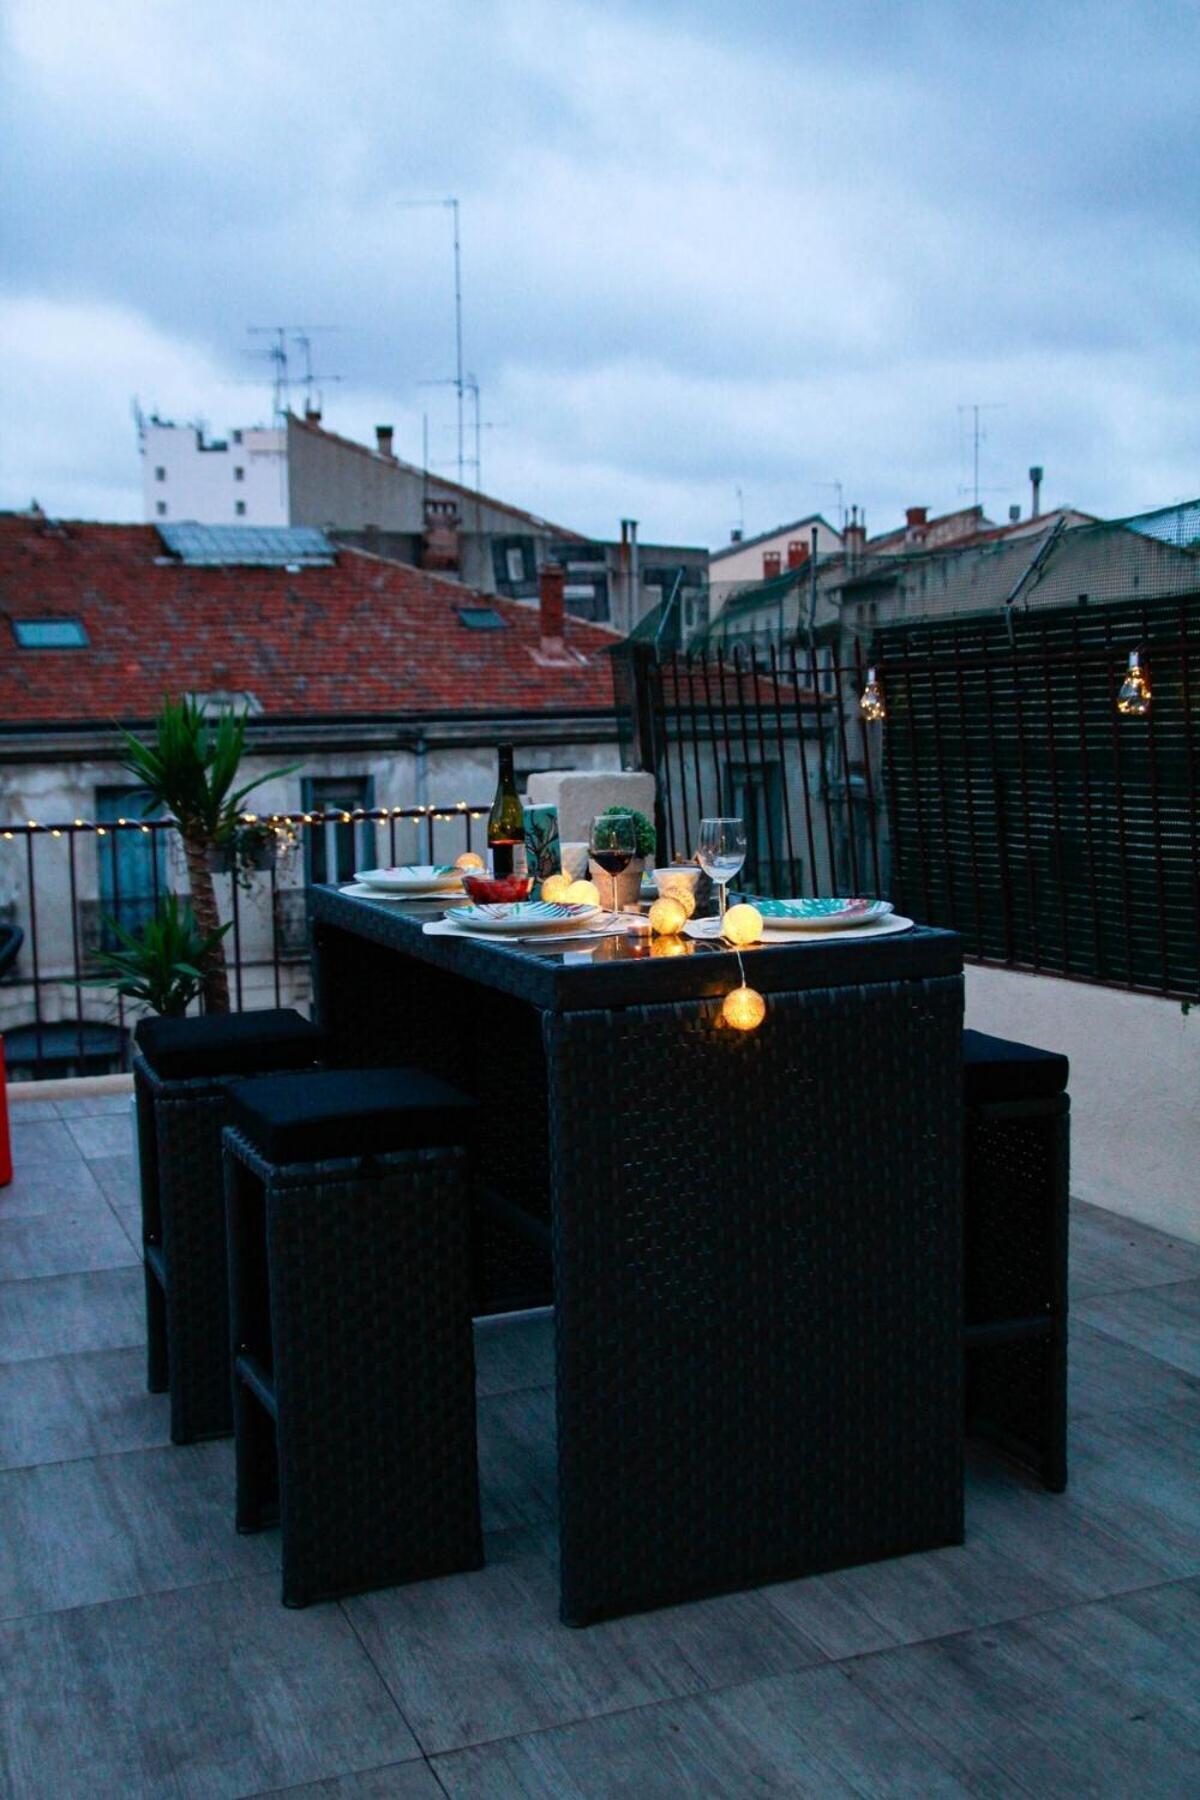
(707, 248)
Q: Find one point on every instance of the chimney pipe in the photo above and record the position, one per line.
(1035, 478)
(1014, 514)
(854, 539)
(312, 415)
(552, 606)
(383, 438)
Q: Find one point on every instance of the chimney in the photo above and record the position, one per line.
(312, 415)
(916, 515)
(797, 553)
(1035, 480)
(736, 535)
(854, 539)
(553, 607)
(1014, 515)
(383, 439)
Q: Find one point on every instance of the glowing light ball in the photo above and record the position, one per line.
(582, 893)
(469, 860)
(555, 887)
(667, 916)
(743, 924)
(743, 1009)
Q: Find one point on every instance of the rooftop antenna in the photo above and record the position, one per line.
(303, 342)
(841, 504)
(277, 352)
(975, 407)
(458, 383)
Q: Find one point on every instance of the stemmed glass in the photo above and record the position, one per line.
(613, 844)
(721, 851)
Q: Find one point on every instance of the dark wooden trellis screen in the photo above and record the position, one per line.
(1024, 811)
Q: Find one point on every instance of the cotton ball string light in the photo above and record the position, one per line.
(468, 860)
(671, 946)
(667, 916)
(581, 893)
(743, 925)
(743, 1008)
(556, 887)
(683, 894)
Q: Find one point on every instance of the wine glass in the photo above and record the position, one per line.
(613, 844)
(721, 851)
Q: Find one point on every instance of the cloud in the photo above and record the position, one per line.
(704, 246)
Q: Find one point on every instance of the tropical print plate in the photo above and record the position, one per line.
(411, 878)
(522, 915)
(821, 915)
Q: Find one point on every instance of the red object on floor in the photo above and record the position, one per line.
(5, 1150)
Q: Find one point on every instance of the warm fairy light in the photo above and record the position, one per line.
(100, 831)
(667, 916)
(871, 704)
(582, 893)
(79, 821)
(469, 860)
(744, 1009)
(460, 805)
(672, 946)
(1134, 697)
(249, 818)
(556, 887)
(56, 832)
(743, 925)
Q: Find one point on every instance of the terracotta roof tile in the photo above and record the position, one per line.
(363, 637)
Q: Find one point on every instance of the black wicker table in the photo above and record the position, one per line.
(752, 1240)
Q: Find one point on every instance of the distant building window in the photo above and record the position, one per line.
(239, 508)
(160, 474)
(239, 474)
(50, 634)
(237, 437)
(514, 563)
(161, 509)
(481, 618)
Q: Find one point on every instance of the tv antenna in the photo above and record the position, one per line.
(841, 504)
(457, 382)
(479, 423)
(975, 407)
(277, 354)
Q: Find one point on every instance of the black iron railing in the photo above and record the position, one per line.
(68, 885)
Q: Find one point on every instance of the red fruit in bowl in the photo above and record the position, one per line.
(491, 890)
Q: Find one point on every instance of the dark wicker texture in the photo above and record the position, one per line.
(1016, 1183)
(354, 1404)
(757, 1283)
(183, 1236)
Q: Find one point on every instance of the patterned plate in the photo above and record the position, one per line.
(410, 878)
(821, 915)
(522, 915)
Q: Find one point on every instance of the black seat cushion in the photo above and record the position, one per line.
(996, 1068)
(229, 1044)
(349, 1112)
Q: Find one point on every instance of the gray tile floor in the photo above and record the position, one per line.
(143, 1649)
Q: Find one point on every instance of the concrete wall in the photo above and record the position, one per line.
(1135, 1087)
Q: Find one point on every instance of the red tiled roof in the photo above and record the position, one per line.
(363, 637)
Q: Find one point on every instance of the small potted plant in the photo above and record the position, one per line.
(629, 883)
(165, 964)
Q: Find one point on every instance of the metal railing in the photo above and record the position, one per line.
(67, 884)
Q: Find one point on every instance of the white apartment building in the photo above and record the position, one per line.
(239, 480)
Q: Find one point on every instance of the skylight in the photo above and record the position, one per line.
(50, 634)
(243, 546)
(482, 618)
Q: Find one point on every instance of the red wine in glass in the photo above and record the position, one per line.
(613, 862)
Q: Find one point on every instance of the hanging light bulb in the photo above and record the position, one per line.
(871, 703)
(1134, 696)
(744, 1009)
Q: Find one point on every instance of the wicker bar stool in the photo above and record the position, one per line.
(350, 1312)
(181, 1078)
(1015, 1246)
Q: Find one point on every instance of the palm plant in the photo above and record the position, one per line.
(189, 770)
(166, 963)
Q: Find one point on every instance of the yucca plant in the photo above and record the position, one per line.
(166, 963)
(189, 770)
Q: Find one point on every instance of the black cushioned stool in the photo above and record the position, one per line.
(181, 1076)
(350, 1310)
(1015, 1246)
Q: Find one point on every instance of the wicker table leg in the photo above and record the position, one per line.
(758, 1290)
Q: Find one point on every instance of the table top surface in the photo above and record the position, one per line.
(620, 971)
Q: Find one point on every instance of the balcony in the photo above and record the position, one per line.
(145, 1650)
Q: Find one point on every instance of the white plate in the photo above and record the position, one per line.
(884, 926)
(517, 916)
(411, 878)
(357, 891)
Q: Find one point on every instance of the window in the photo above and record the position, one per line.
(239, 473)
(237, 437)
(514, 563)
(161, 509)
(132, 865)
(481, 618)
(160, 474)
(50, 634)
(754, 792)
(334, 850)
(240, 508)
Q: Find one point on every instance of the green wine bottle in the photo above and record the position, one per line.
(506, 821)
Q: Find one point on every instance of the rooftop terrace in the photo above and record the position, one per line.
(145, 1651)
